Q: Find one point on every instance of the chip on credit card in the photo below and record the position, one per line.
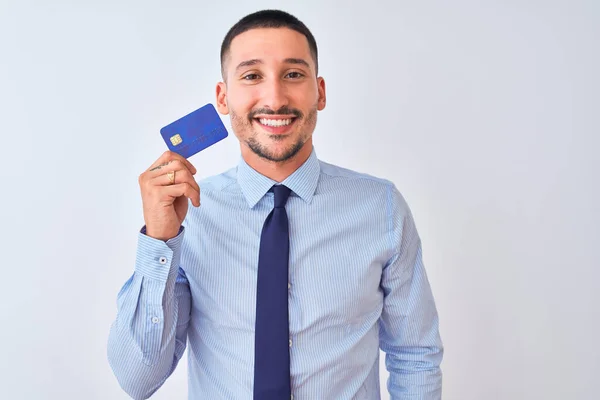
(194, 132)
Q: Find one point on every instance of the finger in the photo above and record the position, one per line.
(168, 166)
(169, 156)
(180, 176)
(161, 161)
(181, 189)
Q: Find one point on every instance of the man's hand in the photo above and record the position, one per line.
(166, 187)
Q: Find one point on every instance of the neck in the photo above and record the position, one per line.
(275, 170)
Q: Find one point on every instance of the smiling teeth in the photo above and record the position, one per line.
(275, 122)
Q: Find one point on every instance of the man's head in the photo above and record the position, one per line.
(268, 19)
(270, 85)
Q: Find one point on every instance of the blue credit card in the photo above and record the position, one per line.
(194, 132)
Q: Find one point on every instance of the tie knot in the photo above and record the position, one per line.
(281, 195)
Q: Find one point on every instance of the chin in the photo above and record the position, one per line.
(274, 152)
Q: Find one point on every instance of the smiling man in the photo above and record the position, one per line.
(272, 93)
(294, 272)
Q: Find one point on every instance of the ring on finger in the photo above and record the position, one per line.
(171, 176)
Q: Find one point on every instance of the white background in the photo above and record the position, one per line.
(485, 114)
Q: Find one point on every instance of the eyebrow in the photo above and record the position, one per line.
(256, 61)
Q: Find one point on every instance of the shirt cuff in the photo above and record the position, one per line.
(157, 259)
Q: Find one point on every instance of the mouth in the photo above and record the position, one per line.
(276, 124)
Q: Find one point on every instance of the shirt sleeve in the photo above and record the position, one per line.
(148, 337)
(409, 324)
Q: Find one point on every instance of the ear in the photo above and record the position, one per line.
(222, 98)
(322, 96)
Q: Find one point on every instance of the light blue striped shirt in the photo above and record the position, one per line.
(356, 284)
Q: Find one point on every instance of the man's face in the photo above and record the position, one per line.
(271, 92)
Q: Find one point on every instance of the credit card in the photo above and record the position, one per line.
(194, 132)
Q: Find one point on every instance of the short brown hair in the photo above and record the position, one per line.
(269, 19)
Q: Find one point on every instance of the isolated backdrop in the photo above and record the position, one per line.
(485, 114)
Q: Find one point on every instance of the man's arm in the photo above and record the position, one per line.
(148, 337)
(409, 332)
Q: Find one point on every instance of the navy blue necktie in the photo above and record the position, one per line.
(272, 352)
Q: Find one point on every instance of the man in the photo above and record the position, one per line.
(293, 272)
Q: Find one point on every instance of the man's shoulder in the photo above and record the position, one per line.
(335, 172)
(362, 182)
(218, 181)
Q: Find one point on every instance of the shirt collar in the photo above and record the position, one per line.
(303, 181)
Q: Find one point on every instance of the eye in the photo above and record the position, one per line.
(295, 75)
(250, 77)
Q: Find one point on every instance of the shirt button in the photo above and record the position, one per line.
(155, 320)
(290, 342)
(289, 286)
(162, 260)
(292, 398)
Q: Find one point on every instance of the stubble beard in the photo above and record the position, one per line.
(263, 151)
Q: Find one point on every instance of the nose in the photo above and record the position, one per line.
(275, 95)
